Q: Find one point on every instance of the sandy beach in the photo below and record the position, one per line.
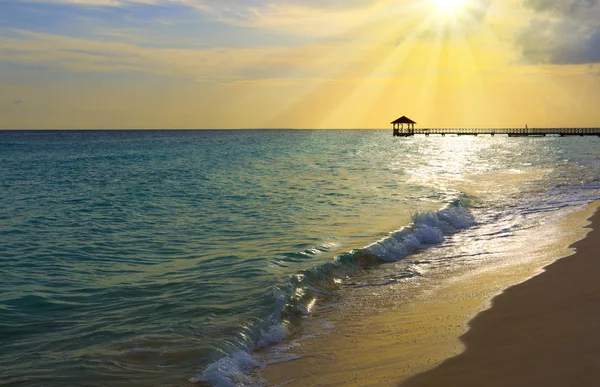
(543, 332)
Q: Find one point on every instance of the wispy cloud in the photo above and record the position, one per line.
(294, 17)
(86, 55)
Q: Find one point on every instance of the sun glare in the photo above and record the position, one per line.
(448, 6)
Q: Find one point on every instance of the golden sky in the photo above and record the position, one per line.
(298, 63)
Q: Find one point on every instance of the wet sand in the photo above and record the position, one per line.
(542, 332)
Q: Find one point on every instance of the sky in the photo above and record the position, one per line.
(221, 64)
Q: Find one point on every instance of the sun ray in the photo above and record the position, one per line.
(378, 79)
(416, 73)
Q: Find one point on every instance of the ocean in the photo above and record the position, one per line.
(169, 258)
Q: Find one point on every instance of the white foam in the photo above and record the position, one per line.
(273, 334)
(427, 229)
(231, 371)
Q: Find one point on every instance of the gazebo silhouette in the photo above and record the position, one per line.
(398, 126)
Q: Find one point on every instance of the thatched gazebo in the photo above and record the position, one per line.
(398, 126)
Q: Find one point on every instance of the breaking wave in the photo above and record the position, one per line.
(298, 296)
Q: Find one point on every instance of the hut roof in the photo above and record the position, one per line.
(403, 120)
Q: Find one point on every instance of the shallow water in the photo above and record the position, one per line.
(167, 257)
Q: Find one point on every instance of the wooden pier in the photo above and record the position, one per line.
(510, 132)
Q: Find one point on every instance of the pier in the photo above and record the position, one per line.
(399, 130)
(510, 132)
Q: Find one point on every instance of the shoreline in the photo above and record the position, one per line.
(540, 332)
(398, 341)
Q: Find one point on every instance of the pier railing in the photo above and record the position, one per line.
(512, 132)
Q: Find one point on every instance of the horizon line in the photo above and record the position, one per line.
(234, 129)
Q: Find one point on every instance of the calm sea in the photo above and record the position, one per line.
(165, 258)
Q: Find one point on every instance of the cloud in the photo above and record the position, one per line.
(249, 12)
(562, 32)
(252, 43)
(220, 64)
(18, 102)
(306, 18)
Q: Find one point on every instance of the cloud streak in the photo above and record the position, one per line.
(215, 65)
(293, 17)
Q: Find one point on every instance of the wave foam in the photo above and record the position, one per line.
(230, 371)
(427, 229)
(298, 296)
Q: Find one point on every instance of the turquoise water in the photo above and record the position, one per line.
(166, 257)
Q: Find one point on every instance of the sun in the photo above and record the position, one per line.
(449, 6)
